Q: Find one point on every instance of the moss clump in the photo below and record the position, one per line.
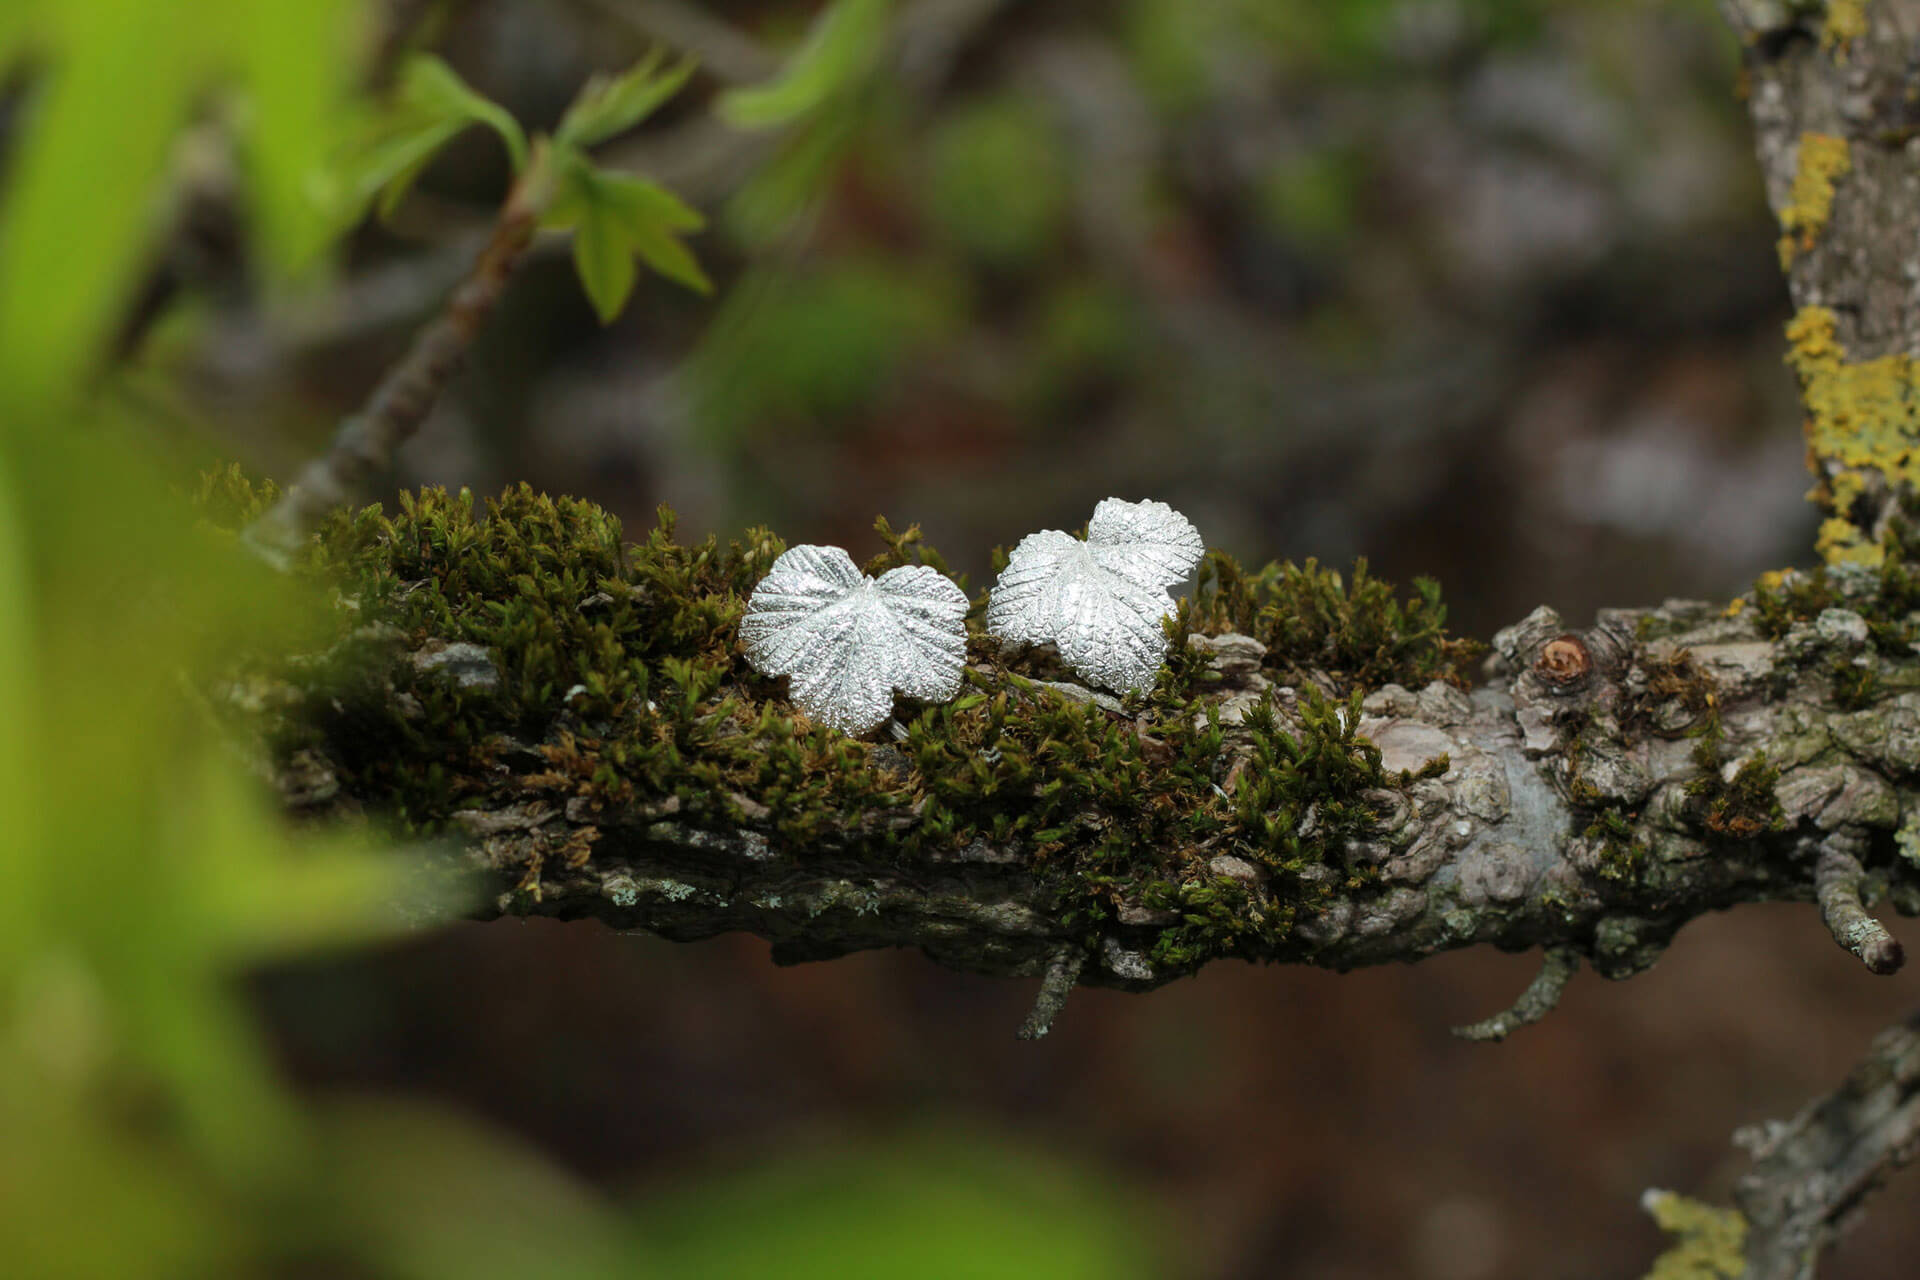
(1710, 1241)
(1862, 418)
(1359, 634)
(612, 688)
(1621, 858)
(579, 628)
(1743, 807)
(1856, 685)
(1783, 599)
(1823, 160)
(1678, 695)
(228, 499)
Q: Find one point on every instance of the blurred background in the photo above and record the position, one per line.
(1480, 289)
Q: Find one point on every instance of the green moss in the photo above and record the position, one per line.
(1359, 633)
(1743, 807)
(1710, 1241)
(1856, 686)
(1782, 599)
(620, 689)
(228, 499)
(1673, 681)
(1622, 858)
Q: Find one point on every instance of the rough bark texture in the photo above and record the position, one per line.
(1811, 1173)
(1842, 71)
(1601, 790)
(1837, 130)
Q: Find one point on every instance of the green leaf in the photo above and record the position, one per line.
(20, 24)
(435, 91)
(610, 105)
(789, 186)
(603, 254)
(671, 259)
(840, 50)
(614, 217)
(78, 201)
(939, 1206)
(389, 168)
(391, 146)
(18, 791)
(293, 59)
(646, 202)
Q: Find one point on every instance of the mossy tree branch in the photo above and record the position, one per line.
(1312, 782)
(1308, 784)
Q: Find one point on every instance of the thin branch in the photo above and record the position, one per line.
(1557, 968)
(1811, 1173)
(1063, 971)
(365, 444)
(1837, 878)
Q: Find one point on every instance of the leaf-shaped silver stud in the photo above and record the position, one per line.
(1099, 602)
(848, 641)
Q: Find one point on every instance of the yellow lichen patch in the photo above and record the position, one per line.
(1710, 1240)
(1846, 21)
(1823, 161)
(1861, 417)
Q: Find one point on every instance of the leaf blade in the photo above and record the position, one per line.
(431, 87)
(612, 105)
(603, 259)
(841, 47)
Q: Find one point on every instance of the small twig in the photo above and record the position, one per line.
(365, 444)
(1557, 967)
(1811, 1173)
(1836, 880)
(1063, 971)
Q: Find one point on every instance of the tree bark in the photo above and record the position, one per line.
(1601, 790)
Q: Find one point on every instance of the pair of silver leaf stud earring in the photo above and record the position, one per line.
(847, 642)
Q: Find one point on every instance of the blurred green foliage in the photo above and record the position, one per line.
(932, 1206)
(840, 50)
(144, 868)
(999, 185)
(820, 345)
(395, 140)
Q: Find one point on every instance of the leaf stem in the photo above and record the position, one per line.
(365, 444)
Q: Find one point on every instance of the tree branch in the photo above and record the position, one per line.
(1811, 1173)
(1835, 128)
(364, 446)
(1599, 792)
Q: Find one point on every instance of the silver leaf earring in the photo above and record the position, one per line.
(848, 641)
(1099, 602)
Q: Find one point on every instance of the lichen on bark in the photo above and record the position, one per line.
(1308, 782)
